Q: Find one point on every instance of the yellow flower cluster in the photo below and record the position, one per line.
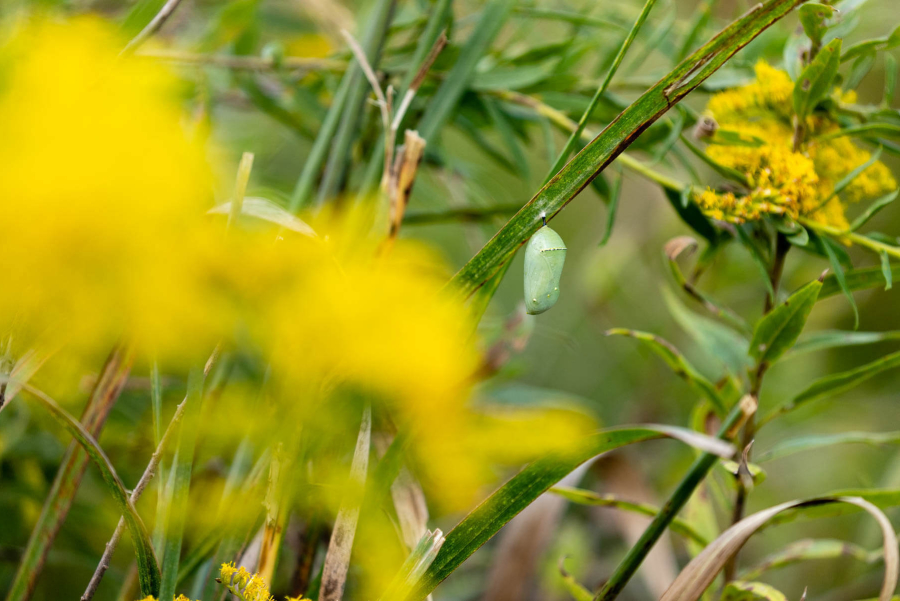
(107, 237)
(243, 584)
(781, 180)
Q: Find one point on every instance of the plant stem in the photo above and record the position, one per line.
(863, 241)
(695, 475)
(782, 246)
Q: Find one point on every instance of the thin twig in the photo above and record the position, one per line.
(152, 27)
(250, 63)
(381, 101)
(417, 81)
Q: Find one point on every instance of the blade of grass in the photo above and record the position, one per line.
(148, 569)
(623, 49)
(618, 135)
(68, 478)
(149, 473)
(493, 16)
(340, 143)
(182, 466)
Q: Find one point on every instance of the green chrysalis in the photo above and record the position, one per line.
(544, 258)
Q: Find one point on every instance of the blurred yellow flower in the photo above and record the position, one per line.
(107, 237)
(783, 181)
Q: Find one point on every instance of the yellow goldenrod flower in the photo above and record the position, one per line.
(783, 181)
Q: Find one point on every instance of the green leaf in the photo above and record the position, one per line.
(720, 342)
(838, 338)
(813, 17)
(810, 443)
(890, 81)
(612, 208)
(72, 466)
(886, 270)
(828, 247)
(726, 172)
(148, 570)
(856, 172)
(861, 68)
(843, 381)
(727, 137)
(617, 136)
(678, 363)
(856, 279)
(514, 496)
(493, 16)
(741, 590)
(703, 569)
(588, 497)
(873, 209)
(777, 331)
(883, 43)
(758, 260)
(815, 81)
(575, 589)
(510, 78)
(691, 214)
(811, 549)
(181, 471)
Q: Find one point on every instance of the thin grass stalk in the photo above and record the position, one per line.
(183, 466)
(340, 144)
(68, 478)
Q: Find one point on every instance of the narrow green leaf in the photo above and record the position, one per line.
(886, 270)
(873, 209)
(611, 209)
(182, 468)
(856, 172)
(742, 590)
(857, 279)
(777, 331)
(861, 68)
(758, 260)
(623, 49)
(810, 549)
(588, 497)
(493, 16)
(726, 172)
(703, 569)
(885, 130)
(691, 214)
(678, 363)
(815, 81)
(618, 135)
(813, 17)
(890, 80)
(720, 342)
(514, 496)
(843, 381)
(828, 246)
(727, 137)
(572, 586)
(148, 569)
(345, 131)
(72, 466)
(837, 338)
(810, 443)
